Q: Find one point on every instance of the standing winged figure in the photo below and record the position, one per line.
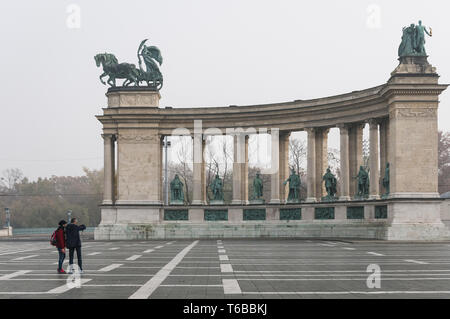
(151, 74)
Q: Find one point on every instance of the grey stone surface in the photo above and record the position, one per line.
(264, 268)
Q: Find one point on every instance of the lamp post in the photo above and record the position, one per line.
(166, 145)
(8, 217)
(69, 214)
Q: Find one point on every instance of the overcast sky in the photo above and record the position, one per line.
(216, 53)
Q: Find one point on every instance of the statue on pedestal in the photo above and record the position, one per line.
(386, 181)
(216, 187)
(257, 190)
(363, 183)
(330, 185)
(294, 187)
(176, 191)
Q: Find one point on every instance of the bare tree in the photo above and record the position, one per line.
(10, 178)
(297, 155)
(366, 153)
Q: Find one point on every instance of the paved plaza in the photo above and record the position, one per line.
(229, 268)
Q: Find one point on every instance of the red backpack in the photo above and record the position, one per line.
(53, 241)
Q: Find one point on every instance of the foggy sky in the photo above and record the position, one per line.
(216, 53)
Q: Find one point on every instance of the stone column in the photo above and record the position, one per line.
(345, 173)
(240, 169)
(244, 173)
(384, 133)
(374, 169)
(199, 184)
(161, 175)
(355, 140)
(321, 157)
(108, 193)
(284, 164)
(275, 167)
(311, 166)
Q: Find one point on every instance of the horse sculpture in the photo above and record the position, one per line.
(116, 70)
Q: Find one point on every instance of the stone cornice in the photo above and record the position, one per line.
(349, 108)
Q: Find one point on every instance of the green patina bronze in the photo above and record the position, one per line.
(215, 214)
(294, 187)
(254, 214)
(257, 187)
(290, 213)
(381, 212)
(176, 191)
(355, 212)
(216, 188)
(330, 185)
(151, 75)
(363, 183)
(413, 40)
(176, 214)
(324, 213)
(386, 182)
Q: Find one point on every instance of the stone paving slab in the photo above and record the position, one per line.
(229, 269)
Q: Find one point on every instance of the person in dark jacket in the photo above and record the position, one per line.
(73, 242)
(61, 245)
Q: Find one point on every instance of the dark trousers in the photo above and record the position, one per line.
(71, 250)
(61, 258)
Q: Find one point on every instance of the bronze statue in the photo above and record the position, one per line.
(363, 183)
(413, 40)
(216, 187)
(386, 181)
(176, 191)
(257, 187)
(115, 70)
(294, 187)
(330, 184)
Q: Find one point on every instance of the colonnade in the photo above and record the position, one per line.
(317, 162)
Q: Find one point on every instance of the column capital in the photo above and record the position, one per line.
(373, 123)
(110, 136)
(343, 127)
(357, 125)
(310, 130)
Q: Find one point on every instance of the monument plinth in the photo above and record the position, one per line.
(133, 96)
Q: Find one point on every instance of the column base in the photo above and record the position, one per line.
(138, 202)
(198, 202)
(413, 195)
(237, 202)
(107, 202)
(311, 200)
(275, 201)
(374, 197)
(344, 198)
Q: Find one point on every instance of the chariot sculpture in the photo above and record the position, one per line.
(151, 75)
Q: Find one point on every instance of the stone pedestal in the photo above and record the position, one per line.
(413, 99)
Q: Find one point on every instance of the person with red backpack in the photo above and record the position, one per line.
(59, 240)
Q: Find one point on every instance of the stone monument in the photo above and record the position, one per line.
(402, 116)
